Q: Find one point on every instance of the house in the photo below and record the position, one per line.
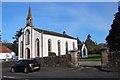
(6, 53)
(35, 42)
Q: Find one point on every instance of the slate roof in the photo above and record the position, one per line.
(53, 33)
(4, 49)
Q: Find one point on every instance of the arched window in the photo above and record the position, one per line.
(49, 45)
(66, 45)
(59, 48)
(73, 45)
(27, 37)
(21, 49)
(37, 48)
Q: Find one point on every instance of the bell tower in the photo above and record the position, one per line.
(29, 18)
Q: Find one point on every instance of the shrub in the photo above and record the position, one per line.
(51, 53)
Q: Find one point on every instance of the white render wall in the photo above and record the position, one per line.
(36, 35)
(19, 41)
(27, 46)
(54, 43)
(4, 55)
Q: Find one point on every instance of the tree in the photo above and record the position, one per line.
(79, 43)
(17, 35)
(113, 39)
(91, 45)
(14, 46)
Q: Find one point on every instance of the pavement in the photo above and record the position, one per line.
(90, 63)
(85, 71)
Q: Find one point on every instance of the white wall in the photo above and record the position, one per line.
(37, 35)
(19, 41)
(3, 55)
(54, 43)
(54, 40)
(27, 46)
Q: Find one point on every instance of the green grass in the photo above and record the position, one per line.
(92, 57)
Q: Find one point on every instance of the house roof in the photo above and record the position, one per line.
(53, 33)
(4, 49)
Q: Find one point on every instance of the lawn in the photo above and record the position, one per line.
(92, 57)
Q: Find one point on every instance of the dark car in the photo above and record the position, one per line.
(26, 65)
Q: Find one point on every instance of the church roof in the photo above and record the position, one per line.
(53, 33)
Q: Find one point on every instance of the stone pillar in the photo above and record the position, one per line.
(74, 58)
(104, 57)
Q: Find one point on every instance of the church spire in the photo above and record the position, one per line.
(29, 18)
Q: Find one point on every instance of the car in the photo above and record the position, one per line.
(26, 65)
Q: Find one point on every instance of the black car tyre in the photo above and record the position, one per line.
(12, 70)
(25, 70)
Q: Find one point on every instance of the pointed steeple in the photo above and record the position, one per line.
(29, 18)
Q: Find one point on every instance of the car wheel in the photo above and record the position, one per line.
(25, 70)
(12, 70)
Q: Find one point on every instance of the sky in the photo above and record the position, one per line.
(78, 19)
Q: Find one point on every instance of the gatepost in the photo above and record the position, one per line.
(74, 58)
(104, 57)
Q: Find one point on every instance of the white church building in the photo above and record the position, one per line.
(36, 42)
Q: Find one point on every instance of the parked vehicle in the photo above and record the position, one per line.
(26, 65)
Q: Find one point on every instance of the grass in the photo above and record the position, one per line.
(92, 57)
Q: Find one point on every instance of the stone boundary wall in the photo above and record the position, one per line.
(53, 61)
(114, 59)
(56, 61)
(6, 64)
(110, 60)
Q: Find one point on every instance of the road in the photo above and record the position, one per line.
(61, 72)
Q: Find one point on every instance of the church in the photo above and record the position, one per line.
(35, 42)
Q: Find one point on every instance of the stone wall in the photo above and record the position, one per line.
(114, 60)
(56, 61)
(110, 60)
(6, 64)
(69, 60)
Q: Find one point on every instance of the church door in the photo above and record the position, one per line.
(27, 52)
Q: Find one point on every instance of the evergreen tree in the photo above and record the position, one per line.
(113, 39)
(79, 43)
(14, 46)
(91, 45)
(17, 35)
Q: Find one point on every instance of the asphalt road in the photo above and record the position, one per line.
(88, 71)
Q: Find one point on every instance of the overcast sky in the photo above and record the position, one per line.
(77, 19)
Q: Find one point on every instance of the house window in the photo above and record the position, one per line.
(37, 47)
(27, 37)
(66, 45)
(21, 49)
(49, 45)
(73, 45)
(59, 52)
